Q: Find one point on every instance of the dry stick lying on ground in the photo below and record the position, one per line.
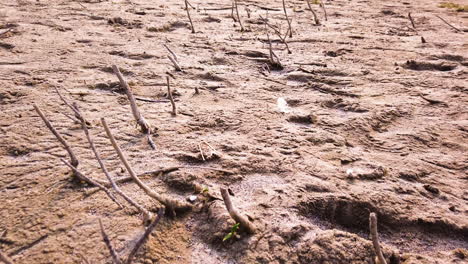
(172, 53)
(238, 17)
(145, 236)
(5, 258)
(169, 94)
(188, 14)
(173, 59)
(317, 21)
(443, 20)
(90, 181)
(172, 205)
(106, 239)
(287, 19)
(73, 160)
(375, 238)
(322, 4)
(146, 215)
(242, 220)
(145, 127)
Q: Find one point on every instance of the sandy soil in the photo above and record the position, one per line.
(375, 121)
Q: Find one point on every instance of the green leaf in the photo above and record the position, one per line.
(235, 227)
(228, 236)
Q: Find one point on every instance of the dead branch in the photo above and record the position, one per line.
(5, 258)
(412, 21)
(73, 160)
(169, 94)
(145, 127)
(375, 238)
(232, 12)
(175, 63)
(92, 182)
(171, 52)
(272, 57)
(322, 4)
(242, 220)
(146, 215)
(171, 204)
(145, 236)
(443, 20)
(432, 101)
(238, 17)
(317, 21)
(70, 106)
(106, 239)
(287, 19)
(188, 14)
(278, 33)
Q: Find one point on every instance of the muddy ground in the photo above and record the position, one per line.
(375, 120)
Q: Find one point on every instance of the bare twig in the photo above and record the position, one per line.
(232, 11)
(171, 52)
(176, 64)
(73, 160)
(145, 127)
(278, 33)
(145, 236)
(443, 20)
(273, 62)
(322, 4)
(287, 19)
(238, 17)
(106, 239)
(169, 94)
(171, 204)
(92, 182)
(5, 258)
(432, 101)
(70, 106)
(242, 220)
(188, 14)
(375, 238)
(146, 215)
(412, 21)
(317, 21)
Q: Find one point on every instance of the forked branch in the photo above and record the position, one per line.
(317, 21)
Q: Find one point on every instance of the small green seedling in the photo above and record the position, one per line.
(234, 229)
(205, 190)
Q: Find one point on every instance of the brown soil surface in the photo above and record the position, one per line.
(375, 121)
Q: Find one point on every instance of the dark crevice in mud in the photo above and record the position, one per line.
(428, 66)
(351, 214)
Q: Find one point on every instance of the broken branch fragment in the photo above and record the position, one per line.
(375, 238)
(317, 21)
(188, 14)
(169, 94)
(242, 220)
(106, 239)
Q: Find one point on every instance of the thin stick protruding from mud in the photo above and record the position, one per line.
(169, 94)
(174, 59)
(238, 16)
(287, 19)
(188, 14)
(445, 21)
(146, 215)
(92, 182)
(73, 160)
(322, 4)
(242, 220)
(172, 205)
(5, 258)
(412, 21)
(171, 52)
(232, 11)
(106, 239)
(375, 238)
(317, 21)
(278, 33)
(145, 236)
(144, 126)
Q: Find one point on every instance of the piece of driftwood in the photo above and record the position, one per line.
(375, 238)
(242, 220)
(172, 205)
